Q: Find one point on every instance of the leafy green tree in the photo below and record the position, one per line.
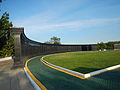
(108, 45)
(6, 37)
(53, 40)
(101, 46)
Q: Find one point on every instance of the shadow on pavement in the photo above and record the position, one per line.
(13, 79)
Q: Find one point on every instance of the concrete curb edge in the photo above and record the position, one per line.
(85, 76)
(32, 81)
(38, 85)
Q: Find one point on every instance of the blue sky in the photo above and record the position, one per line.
(74, 21)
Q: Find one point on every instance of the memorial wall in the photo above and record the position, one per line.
(26, 48)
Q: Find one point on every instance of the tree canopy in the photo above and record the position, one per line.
(6, 38)
(108, 45)
(54, 40)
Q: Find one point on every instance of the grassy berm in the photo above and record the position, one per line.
(85, 61)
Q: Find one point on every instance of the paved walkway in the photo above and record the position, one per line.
(13, 79)
(56, 80)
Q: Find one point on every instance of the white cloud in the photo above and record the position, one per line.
(48, 22)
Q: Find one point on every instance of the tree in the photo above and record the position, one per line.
(107, 45)
(101, 46)
(110, 45)
(6, 37)
(53, 40)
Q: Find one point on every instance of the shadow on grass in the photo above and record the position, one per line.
(85, 70)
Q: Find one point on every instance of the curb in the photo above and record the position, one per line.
(77, 74)
(5, 59)
(73, 73)
(34, 81)
(102, 71)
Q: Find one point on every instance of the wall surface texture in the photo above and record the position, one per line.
(116, 46)
(26, 48)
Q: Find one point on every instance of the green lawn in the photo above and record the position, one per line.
(85, 62)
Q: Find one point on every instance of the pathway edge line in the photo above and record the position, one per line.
(32, 81)
(70, 72)
(77, 74)
(35, 82)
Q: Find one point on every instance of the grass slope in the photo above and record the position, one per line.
(85, 62)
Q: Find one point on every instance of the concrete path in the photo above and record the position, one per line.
(13, 79)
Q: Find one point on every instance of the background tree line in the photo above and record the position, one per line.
(108, 45)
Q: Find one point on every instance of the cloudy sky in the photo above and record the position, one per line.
(74, 21)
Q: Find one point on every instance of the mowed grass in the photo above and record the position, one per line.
(85, 61)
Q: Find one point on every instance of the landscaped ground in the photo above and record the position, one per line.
(85, 62)
(53, 79)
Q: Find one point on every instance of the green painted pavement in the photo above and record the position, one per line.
(56, 80)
